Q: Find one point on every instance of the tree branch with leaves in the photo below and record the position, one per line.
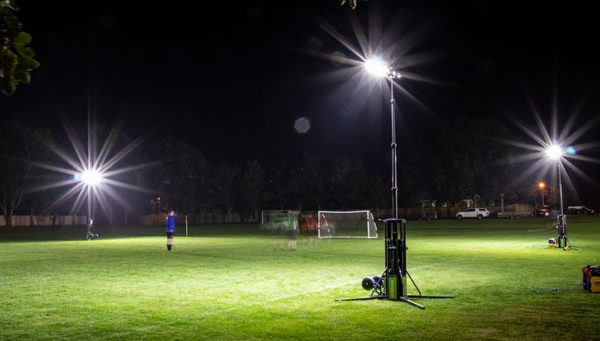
(17, 59)
(351, 3)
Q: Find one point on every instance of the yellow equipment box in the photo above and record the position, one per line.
(595, 284)
(591, 278)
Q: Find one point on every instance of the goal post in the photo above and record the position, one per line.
(278, 220)
(346, 224)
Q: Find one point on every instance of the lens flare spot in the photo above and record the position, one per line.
(302, 125)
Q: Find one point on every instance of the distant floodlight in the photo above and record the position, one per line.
(554, 152)
(91, 177)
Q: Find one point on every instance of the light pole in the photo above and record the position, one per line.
(395, 229)
(379, 69)
(90, 179)
(542, 187)
(555, 153)
(392, 283)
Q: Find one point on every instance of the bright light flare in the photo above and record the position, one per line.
(549, 145)
(90, 177)
(554, 152)
(94, 175)
(377, 67)
(378, 47)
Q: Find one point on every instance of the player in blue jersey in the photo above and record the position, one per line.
(170, 228)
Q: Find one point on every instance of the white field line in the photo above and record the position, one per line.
(284, 297)
(274, 299)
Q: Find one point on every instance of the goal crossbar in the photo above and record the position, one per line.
(346, 224)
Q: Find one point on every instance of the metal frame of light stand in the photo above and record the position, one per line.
(562, 240)
(90, 220)
(395, 274)
(91, 155)
(395, 267)
(561, 224)
(392, 284)
(395, 262)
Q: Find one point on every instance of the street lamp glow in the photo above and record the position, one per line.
(542, 186)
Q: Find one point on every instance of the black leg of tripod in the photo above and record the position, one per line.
(396, 260)
(406, 300)
(362, 298)
(419, 291)
(394, 285)
(405, 297)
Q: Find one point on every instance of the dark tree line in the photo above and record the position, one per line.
(19, 147)
(468, 160)
(187, 181)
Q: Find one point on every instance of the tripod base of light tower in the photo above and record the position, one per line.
(90, 234)
(391, 284)
(562, 239)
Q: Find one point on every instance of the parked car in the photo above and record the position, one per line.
(473, 212)
(543, 211)
(577, 210)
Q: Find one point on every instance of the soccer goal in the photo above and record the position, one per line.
(347, 224)
(278, 220)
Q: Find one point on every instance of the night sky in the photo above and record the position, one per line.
(232, 77)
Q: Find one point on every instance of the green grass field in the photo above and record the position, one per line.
(235, 283)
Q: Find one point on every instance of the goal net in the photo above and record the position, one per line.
(346, 224)
(279, 220)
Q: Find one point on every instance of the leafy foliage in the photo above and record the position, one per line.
(351, 3)
(17, 59)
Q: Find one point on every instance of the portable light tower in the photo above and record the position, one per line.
(90, 178)
(555, 153)
(392, 283)
(395, 228)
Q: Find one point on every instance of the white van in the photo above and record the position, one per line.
(473, 212)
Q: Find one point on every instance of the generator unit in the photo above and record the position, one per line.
(591, 278)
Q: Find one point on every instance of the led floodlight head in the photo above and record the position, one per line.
(91, 177)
